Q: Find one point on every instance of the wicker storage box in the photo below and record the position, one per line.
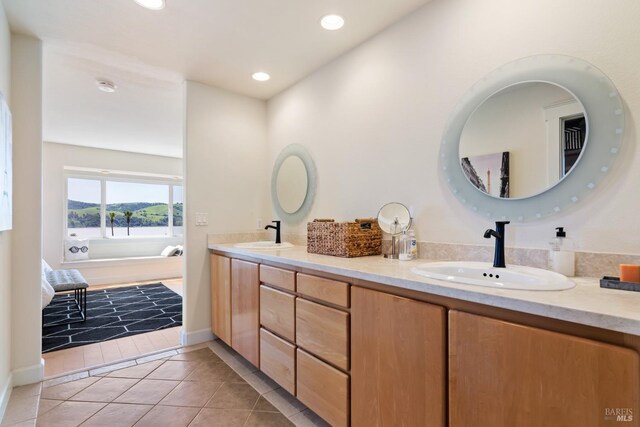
(362, 237)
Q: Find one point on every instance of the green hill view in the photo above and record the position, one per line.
(87, 215)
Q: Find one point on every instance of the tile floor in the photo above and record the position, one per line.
(89, 356)
(204, 385)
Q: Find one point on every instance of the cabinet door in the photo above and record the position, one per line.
(221, 297)
(398, 369)
(245, 310)
(323, 388)
(504, 374)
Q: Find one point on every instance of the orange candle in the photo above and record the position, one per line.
(630, 273)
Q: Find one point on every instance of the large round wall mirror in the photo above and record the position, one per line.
(293, 182)
(532, 138)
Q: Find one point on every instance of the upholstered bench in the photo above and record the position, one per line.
(66, 281)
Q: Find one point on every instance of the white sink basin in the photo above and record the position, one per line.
(263, 245)
(484, 274)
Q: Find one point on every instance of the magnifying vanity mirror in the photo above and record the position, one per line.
(393, 219)
(293, 183)
(532, 138)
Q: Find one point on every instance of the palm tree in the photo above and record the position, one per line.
(128, 215)
(112, 217)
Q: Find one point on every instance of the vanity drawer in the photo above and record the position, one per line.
(323, 331)
(324, 389)
(278, 277)
(331, 291)
(277, 312)
(278, 360)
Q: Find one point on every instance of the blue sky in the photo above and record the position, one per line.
(88, 190)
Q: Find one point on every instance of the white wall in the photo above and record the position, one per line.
(26, 106)
(225, 157)
(373, 118)
(5, 236)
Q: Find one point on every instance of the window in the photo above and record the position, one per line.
(114, 207)
(84, 197)
(177, 210)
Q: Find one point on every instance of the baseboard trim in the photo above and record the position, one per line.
(5, 395)
(28, 375)
(195, 337)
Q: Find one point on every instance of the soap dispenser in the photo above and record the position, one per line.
(562, 258)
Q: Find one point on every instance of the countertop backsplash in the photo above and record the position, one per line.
(588, 264)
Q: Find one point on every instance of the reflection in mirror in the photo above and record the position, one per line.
(393, 218)
(291, 184)
(523, 140)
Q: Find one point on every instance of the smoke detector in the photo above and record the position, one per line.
(106, 86)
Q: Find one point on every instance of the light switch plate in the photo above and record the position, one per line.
(202, 218)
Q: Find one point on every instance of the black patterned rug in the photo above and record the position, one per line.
(111, 313)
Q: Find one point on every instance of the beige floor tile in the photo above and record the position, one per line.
(143, 344)
(127, 347)
(92, 355)
(26, 390)
(28, 423)
(66, 390)
(73, 359)
(46, 405)
(69, 414)
(20, 408)
(105, 390)
(220, 418)
(147, 392)
(216, 372)
(138, 371)
(204, 354)
(264, 405)
(267, 419)
(168, 416)
(158, 340)
(173, 370)
(117, 414)
(191, 393)
(284, 402)
(104, 370)
(234, 396)
(110, 351)
(157, 356)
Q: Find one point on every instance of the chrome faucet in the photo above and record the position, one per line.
(498, 233)
(277, 228)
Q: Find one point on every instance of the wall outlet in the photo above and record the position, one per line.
(202, 218)
(259, 224)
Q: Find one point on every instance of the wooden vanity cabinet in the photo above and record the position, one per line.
(245, 310)
(221, 297)
(505, 374)
(398, 361)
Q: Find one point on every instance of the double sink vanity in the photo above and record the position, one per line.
(369, 341)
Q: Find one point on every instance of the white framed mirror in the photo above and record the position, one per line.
(532, 138)
(293, 183)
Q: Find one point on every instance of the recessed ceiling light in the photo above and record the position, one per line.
(151, 4)
(332, 22)
(261, 76)
(106, 86)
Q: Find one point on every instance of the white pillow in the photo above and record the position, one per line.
(169, 251)
(47, 293)
(45, 268)
(76, 249)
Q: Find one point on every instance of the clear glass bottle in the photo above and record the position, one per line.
(404, 246)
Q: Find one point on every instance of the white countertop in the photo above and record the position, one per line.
(586, 304)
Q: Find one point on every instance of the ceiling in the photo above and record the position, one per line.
(148, 54)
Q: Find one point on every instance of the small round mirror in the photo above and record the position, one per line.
(393, 218)
(291, 184)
